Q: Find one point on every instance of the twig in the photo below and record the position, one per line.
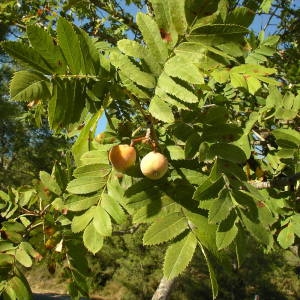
(121, 17)
(131, 230)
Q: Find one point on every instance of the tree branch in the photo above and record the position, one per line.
(118, 15)
(163, 290)
(277, 182)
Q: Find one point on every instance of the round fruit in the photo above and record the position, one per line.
(154, 165)
(122, 157)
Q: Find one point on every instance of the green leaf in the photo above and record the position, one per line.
(221, 76)
(296, 224)
(286, 237)
(171, 87)
(153, 211)
(176, 152)
(69, 44)
(142, 193)
(172, 101)
(165, 229)
(152, 38)
(215, 115)
(114, 209)
(228, 152)
(217, 33)
(220, 208)
(241, 15)
(134, 49)
(227, 231)
(26, 56)
(79, 223)
(29, 249)
(160, 110)
(287, 138)
(6, 259)
(46, 46)
(225, 133)
(212, 274)
(192, 146)
(86, 185)
(194, 177)
(94, 170)
(82, 144)
(90, 55)
(208, 189)
(92, 239)
(20, 287)
(182, 68)
(23, 257)
(238, 81)
(132, 87)
(266, 5)
(241, 247)
(162, 13)
(123, 63)
(79, 203)
(50, 182)
(257, 230)
(253, 69)
(102, 221)
(253, 84)
(67, 103)
(177, 8)
(28, 86)
(94, 157)
(178, 255)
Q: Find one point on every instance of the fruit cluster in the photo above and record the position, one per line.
(154, 165)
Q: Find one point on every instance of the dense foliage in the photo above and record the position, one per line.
(201, 88)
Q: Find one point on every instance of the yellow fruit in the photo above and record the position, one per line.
(122, 157)
(154, 165)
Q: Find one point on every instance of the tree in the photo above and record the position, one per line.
(195, 85)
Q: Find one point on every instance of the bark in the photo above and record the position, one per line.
(163, 290)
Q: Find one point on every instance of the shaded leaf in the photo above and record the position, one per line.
(28, 86)
(227, 231)
(69, 44)
(46, 46)
(26, 56)
(220, 208)
(171, 87)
